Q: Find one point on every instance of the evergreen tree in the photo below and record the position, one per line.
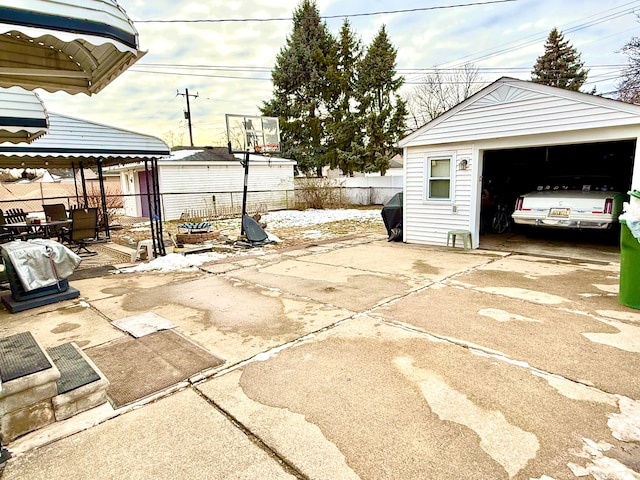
(381, 109)
(301, 85)
(560, 66)
(344, 143)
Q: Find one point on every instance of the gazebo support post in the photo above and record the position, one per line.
(150, 192)
(84, 187)
(103, 200)
(155, 181)
(75, 184)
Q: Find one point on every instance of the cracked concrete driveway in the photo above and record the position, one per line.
(364, 359)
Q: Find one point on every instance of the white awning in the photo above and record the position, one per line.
(77, 46)
(72, 140)
(23, 117)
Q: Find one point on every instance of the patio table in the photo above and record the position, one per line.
(42, 229)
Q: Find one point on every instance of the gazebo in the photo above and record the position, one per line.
(78, 144)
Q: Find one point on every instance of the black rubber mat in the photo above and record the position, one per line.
(74, 369)
(139, 367)
(20, 356)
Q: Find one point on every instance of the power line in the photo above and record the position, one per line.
(536, 38)
(349, 15)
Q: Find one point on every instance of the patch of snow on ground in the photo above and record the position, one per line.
(175, 261)
(625, 426)
(304, 218)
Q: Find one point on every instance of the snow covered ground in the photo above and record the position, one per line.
(304, 218)
(315, 219)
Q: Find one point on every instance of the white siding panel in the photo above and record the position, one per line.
(191, 187)
(543, 114)
(428, 222)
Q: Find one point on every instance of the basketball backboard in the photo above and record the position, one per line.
(253, 133)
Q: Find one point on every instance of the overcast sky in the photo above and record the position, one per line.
(227, 63)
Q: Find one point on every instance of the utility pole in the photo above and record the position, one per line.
(187, 114)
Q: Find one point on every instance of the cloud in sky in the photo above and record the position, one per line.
(227, 64)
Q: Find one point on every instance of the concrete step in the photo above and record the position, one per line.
(81, 385)
(29, 379)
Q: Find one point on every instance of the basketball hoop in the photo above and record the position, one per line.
(253, 134)
(268, 148)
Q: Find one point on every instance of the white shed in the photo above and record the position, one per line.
(208, 181)
(504, 137)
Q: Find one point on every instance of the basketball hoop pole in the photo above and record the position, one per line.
(244, 192)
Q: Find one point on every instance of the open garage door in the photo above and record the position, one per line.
(510, 173)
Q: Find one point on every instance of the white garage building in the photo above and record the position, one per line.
(504, 138)
(206, 182)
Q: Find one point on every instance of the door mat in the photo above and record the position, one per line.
(75, 371)
(20, 355)
(139, 367)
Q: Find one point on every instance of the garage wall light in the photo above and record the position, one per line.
(463, 164)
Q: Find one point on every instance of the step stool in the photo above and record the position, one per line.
(142, 245)
(466, 238)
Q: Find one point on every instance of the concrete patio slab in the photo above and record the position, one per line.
(581, 285)
(373, 401)
(120, 284)
(344, 287)
(155, 442)
(422, 263)
(364, 359)
(232, 319)
(577, 346)
(71, 321)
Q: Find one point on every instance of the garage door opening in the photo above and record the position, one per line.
(510, 173)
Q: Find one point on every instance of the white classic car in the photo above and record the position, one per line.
(570, 202)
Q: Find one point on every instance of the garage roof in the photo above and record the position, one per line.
(510, 107)
(23, 117)
(71, 140)
(70, 45)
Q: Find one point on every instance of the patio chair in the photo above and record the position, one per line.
(17, 215)
(5, 234)
(56, 211)
(83, 230)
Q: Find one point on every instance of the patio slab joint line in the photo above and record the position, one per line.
(287, 466)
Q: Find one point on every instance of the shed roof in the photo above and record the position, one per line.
(512, 107)
(208, 155)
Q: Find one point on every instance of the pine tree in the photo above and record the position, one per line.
(345, 145)
(301, 84)
(560, 66)
(381, 109)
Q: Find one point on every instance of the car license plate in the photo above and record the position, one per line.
(559, 212)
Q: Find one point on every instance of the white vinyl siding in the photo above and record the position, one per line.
(427, 221)
(523, 109)
(191, 186)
